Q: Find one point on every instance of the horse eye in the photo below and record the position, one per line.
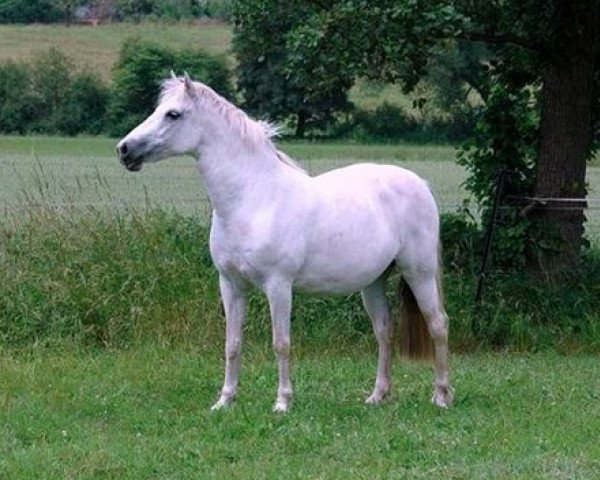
(173, 114)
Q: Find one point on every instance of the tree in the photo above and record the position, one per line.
(546, 59)
(141, 68)
(259, 43)
(67, 8)
(28, 11)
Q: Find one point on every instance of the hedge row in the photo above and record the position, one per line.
(50, 96)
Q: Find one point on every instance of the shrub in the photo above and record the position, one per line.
(142, 67)
(386, 122)
(461, 240)
(29, 11)
(392, 123)
(18, 106)
(50, 81)
(46, 96)
(83, 109)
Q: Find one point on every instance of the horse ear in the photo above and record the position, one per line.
(173, 76)
(189, 84)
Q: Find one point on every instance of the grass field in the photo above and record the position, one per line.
(86, 171)
(97, 48)
(144, 413)
(117, 348)
(138, 407)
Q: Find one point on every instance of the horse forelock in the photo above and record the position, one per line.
(255, 132)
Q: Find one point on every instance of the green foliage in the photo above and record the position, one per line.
(396, 42)
(310, 95)
(98, 279)
(390, 123)
(103, 280)
(505, 139)
(386, 122)
(50, 82)
(173, 9)
(222, 9)
(383, 40)
(461, 241)
(536, 313)
(83, 109)
(18, 106)
(141, 69)
(49, 96)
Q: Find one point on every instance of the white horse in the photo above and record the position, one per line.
(275, 227)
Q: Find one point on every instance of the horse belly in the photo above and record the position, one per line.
(343, 265)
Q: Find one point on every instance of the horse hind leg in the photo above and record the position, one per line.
(376, 305)
(426, 289)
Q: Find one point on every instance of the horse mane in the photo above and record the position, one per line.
(255, 132)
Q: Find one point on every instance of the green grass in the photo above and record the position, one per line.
(86, 170)
(144, 413)
(97, 48)
(111, 335)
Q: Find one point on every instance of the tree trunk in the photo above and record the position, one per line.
(301, 125)
(565, 136)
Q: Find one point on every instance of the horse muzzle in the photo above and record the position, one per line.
(128, 158)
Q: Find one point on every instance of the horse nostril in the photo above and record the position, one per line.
(122, 149)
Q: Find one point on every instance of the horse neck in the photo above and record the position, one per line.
(240, 179)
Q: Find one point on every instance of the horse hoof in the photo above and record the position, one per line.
(281, 407)
(443, 397)
(222, 404)
(376, 398)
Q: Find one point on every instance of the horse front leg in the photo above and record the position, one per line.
(279, 294)
(234, 303)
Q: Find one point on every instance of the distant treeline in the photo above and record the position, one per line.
(94, 11)
(50, 96)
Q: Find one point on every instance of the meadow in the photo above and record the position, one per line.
(111, 339)
(144, 413)
(85, 171)
(96, 49)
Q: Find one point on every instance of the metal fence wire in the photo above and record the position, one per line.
(525, 205)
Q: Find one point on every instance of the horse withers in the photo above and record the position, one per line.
(276, 227)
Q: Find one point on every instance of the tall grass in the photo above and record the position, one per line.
(87, 258)
(116, 279)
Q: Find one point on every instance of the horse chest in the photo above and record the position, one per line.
(245, 252)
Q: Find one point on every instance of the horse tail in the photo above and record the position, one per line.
(415, 340)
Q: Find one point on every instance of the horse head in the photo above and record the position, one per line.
(174, 128)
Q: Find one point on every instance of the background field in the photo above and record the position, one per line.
(86, 171)
(97, 48)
